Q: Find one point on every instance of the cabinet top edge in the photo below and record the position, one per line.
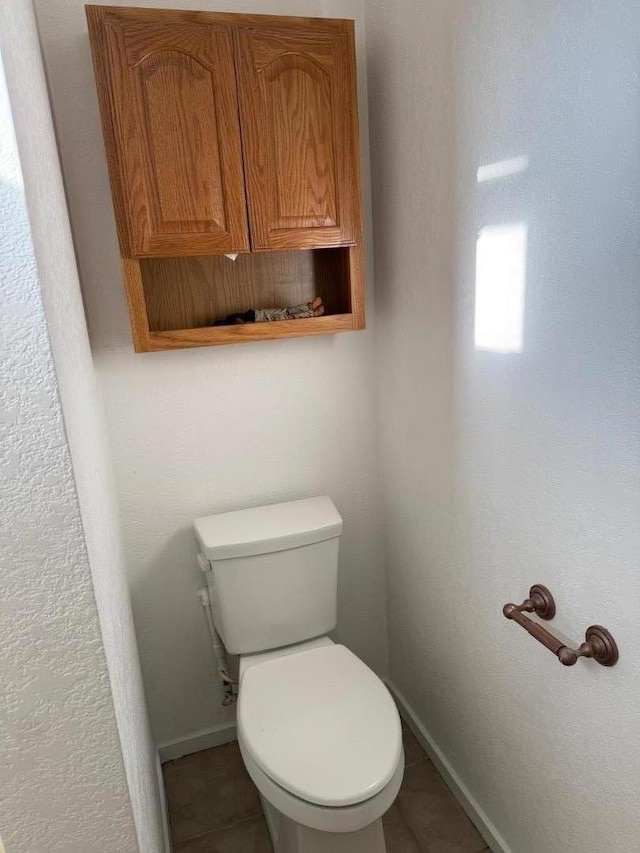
(145, 14)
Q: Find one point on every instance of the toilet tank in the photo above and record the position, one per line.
(272, 572)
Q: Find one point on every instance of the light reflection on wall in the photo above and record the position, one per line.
(503, 169)
(501, 278)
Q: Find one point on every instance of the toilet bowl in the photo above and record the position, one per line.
(318, 730)
(321, 739)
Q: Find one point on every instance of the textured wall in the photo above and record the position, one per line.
(62, 783)
(503, 469)
(82, 409)
(200, 431)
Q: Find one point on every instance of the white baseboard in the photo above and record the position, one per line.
(464, 796)
(224, 733)
(163, 807)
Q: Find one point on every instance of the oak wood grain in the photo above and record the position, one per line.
(221, 335)
(299, 127)
(183, 293)
(168, 98)
(231, 19)
(356, 285)
(136, 303)
(177, 158)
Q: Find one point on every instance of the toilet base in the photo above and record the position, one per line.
(291, 837)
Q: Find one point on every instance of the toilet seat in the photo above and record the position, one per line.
(321, 726)
(323, 818)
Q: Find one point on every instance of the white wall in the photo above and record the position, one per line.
(62, 782)
(195, 432)
(75, 683)
(501, 470)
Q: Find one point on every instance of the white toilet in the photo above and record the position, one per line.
(318, 730)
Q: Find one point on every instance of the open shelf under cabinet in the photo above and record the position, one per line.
(173, 301)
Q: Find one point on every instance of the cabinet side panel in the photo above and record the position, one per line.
(95, 22)
(136, 304)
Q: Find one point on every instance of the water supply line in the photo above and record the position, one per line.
(230, 685)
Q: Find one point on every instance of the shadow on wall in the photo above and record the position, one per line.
(165, 589)
(384, 157)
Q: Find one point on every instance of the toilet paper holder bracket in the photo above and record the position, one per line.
(599, 645)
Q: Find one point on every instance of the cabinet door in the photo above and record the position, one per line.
(299, 127)
(169, 105)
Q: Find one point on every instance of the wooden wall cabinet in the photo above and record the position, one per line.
(230, 134)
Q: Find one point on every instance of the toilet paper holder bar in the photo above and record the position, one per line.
(598, 645)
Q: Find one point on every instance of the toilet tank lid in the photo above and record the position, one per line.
(264, 529)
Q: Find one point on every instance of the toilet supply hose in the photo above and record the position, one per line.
(229, 684)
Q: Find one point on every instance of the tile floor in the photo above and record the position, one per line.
(214, 807)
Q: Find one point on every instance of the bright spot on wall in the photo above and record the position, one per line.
(503, 169)
(501, 280)
(10, 173)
